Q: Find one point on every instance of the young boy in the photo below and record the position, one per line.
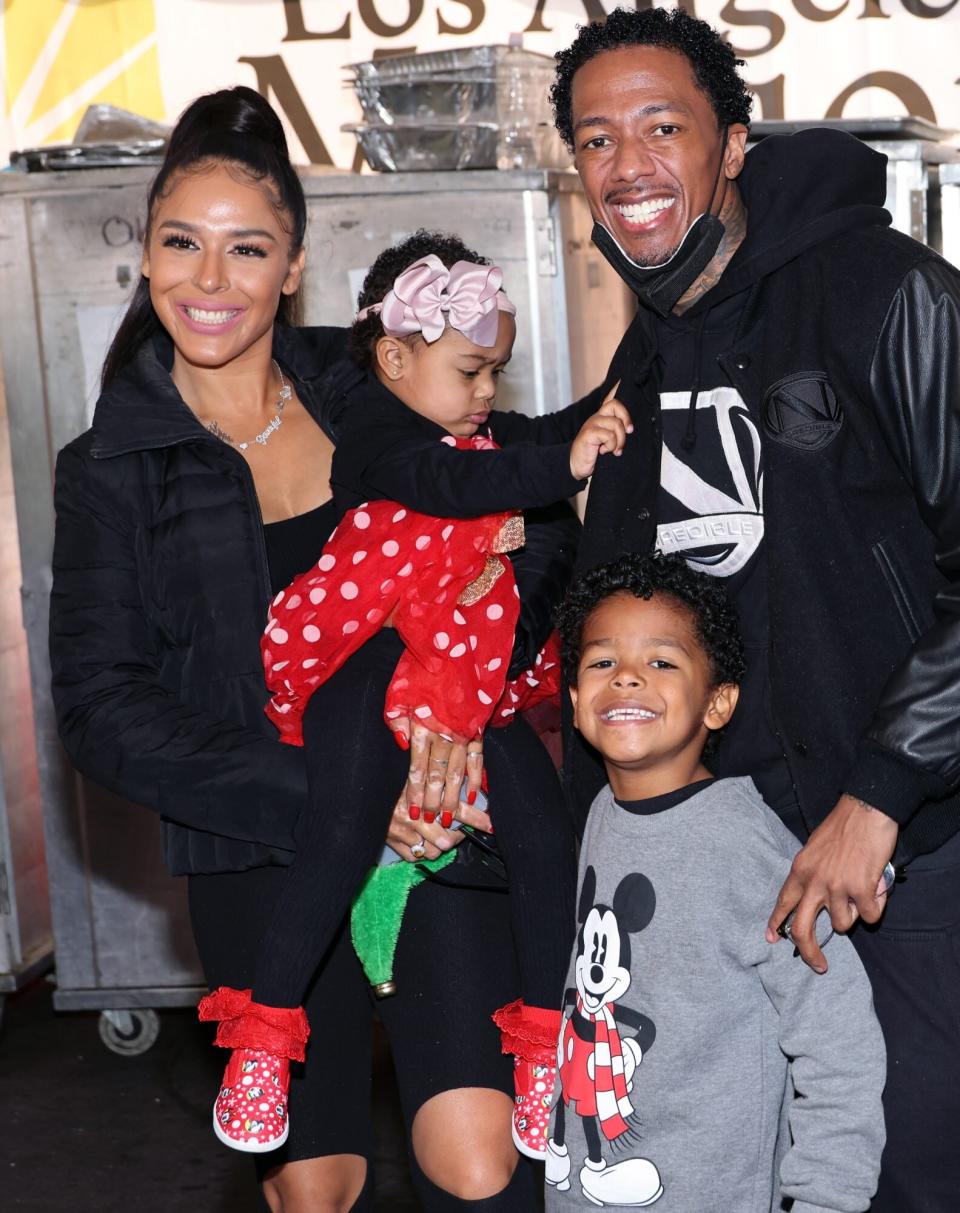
(701, 1069)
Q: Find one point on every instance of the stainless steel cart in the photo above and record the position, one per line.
(69, 253)
(26, 944)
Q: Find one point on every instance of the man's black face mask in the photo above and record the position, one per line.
(660, 287)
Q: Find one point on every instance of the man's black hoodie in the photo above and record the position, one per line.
(847, 354)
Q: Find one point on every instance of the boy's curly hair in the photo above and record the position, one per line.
(388, 266)
(713, 61)
(714, 617)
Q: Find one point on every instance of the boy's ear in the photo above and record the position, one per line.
(723, 700)
(573, 699)
(391, 355)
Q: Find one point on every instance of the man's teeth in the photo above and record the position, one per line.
(643, 212)
(198, 316)
(629, 714)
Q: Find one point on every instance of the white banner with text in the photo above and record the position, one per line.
(804, 58)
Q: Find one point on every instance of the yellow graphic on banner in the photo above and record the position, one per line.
(59, 56)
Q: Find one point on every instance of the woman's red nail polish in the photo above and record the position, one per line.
(472, 797)
(413, 812)
(429, 816)
(402, 741)
(446, 819)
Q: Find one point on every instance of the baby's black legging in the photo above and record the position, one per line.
(356, 772)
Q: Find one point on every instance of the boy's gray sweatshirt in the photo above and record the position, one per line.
(710, 1071)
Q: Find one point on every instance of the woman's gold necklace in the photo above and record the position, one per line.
(261, 439)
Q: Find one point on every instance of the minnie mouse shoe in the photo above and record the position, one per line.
(533, 1082)
(250, 1113)
(530, 1034)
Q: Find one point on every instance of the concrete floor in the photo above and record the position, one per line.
(87, 1131)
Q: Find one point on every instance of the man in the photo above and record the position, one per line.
(793, 373)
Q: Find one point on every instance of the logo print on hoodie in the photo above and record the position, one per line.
(724, 526)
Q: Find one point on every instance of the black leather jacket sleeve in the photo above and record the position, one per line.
(118, 723)
(911, 751)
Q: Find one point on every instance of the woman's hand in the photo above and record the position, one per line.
(416, 840)
(605, 432)
(438, 767)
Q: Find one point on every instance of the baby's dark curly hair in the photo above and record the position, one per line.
(713, 61)
(386, 269)
(714, 617)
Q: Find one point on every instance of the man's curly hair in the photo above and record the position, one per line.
(713, 61)
(711, 612)
(386, 269)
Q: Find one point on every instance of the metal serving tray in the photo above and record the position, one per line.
(425, 146)
(447, 98)
(465, 62)
(444, 146)
(472, 84)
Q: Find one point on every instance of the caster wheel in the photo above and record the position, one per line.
(129, 1032)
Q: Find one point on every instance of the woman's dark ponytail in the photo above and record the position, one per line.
(236, 126)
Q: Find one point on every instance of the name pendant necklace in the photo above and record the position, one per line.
(261, 439)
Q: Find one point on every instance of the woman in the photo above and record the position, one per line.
(201, 487)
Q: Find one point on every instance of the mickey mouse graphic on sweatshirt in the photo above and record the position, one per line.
(595, 1061)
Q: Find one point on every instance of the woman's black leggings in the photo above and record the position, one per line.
(356, 772)
(454, 964)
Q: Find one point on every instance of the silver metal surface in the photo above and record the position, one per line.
(898, 127)
(918, 215)
(26, 943)
(464, 62)
(69, 258)
(80, 156)
(107, 136)
(427, 146)
(473, 84)
(950, 211)
(496, 96)
(448, 98)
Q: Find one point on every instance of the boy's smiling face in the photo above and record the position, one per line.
(645, 696)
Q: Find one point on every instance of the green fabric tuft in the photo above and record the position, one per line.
(378, 912)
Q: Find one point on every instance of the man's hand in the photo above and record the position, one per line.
(840, 868)
(605, 432)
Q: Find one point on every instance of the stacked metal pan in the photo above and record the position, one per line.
(472, 107)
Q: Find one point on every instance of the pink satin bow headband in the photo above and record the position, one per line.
(427, 296)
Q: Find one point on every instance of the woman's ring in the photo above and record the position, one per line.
(440, 762)
(418, 849)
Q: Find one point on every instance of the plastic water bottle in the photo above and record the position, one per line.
(517, 107)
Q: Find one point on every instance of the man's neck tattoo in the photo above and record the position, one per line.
(733, 216)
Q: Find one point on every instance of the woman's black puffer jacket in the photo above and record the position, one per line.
(160, 592)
